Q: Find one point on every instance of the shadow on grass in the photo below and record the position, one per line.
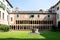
(27, 39)
(18, 39)
(51, 35)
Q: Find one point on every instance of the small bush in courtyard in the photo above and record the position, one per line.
(53, 28)
(33, 30)
(4, 28)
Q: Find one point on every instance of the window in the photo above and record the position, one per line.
(38, 15)
(48, 16)
(31, 22)
(0, 14)
(7, 17)
(25, 27)
(11, 19)
(57, 8)
(31, 16)
(16, 22)
(57, 16)
(3, 15)
(17, 15)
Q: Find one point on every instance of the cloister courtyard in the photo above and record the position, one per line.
(27, 35)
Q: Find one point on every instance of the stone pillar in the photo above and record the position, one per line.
(19, 27)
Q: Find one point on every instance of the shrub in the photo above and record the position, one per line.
(33, 30)
(53, 28)
(4, 28)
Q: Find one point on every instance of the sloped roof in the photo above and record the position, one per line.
(9, 3)
(55, 4)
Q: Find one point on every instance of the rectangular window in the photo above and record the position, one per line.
(0, 14)
(57, 8)
(11, 19)
(49, 16)
(3, 15)
(7, 17)
(57, 16)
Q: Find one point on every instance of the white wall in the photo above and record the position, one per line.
(5, 15)
(58, 13)
(5, 21)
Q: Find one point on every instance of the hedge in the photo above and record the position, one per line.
(4, 28)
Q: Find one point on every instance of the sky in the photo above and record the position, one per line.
(32, 5)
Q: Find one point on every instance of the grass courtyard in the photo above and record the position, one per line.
(26, 35)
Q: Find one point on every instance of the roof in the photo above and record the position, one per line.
(9, 3)
(31, 12)
(55, 4)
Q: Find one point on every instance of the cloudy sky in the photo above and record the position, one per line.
(34, 5)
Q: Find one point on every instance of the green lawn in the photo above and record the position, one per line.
(26, 35)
